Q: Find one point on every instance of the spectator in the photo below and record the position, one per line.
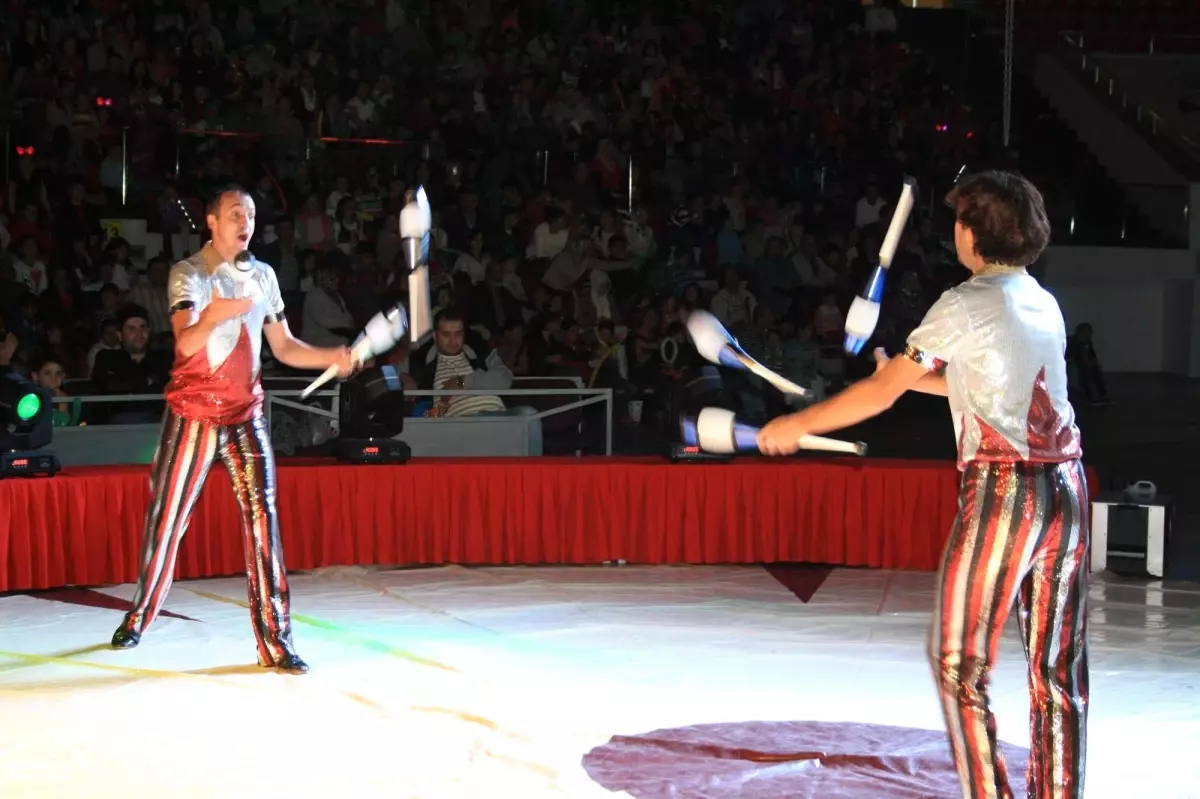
(50, 374)
(1085, 369)
(29, 268)
(474, 262)
(734, 305)
(550, 237)
(110, 339)
(327, 321)
(493, 305)
(314, 228)
(450, 363)
(866, 212)
(132, 369)
(8, 346)
(829, 323)
(151, 294)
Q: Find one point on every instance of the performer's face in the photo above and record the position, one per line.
(449, 337)
(233, 224)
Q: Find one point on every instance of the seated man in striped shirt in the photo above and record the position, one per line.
(451, 363)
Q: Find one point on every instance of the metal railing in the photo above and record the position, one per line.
(286, 398)
(1137, 42)
(1181, 149)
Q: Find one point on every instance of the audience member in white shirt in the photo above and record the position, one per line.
(151, 294)
(327, 320)
(866, 212)
(733, 304)
(639, 235)
(735, 204)
(475, 261)
(29, 268)
(550, 237)
(812, 269)
(341, 188)
(361, 108)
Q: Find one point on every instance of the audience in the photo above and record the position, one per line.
(594, 180)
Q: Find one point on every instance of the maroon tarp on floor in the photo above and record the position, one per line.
(785, 759)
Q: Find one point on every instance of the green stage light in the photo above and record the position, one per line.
(25, 428)
(28, 407)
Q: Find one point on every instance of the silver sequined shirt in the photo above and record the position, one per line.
(196, 280)
(1001, 338)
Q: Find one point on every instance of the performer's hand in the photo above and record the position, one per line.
(222, 309)
(881, 358)
(344, 361)
(781, 436)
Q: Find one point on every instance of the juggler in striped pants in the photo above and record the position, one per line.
(1021, 534)
(186, 452)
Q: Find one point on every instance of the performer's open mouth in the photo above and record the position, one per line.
(244, 238)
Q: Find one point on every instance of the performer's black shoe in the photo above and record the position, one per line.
(126, 637)
(290, 663)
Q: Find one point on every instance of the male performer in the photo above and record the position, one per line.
(1022, 527)
(222, 302)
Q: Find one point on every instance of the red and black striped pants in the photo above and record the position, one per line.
(185, 453)
(1021, 535)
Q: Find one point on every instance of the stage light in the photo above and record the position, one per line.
(103, 102)
(28, 407)
(25, 152)
(370, 415)
(25, 427)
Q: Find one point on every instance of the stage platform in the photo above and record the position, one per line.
(694, 682)
(84, 527)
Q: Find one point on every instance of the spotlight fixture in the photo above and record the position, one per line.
(25, 428)
(370, 416)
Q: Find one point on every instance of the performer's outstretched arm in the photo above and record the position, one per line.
(933, 384)
(864, 399)
(295, 353)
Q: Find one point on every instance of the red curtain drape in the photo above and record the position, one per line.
(84, 527)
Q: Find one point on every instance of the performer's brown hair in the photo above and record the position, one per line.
(1006, 214)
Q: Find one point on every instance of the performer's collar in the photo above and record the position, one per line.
(212, 258)
(999, 269)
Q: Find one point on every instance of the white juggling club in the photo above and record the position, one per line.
(718, 431)
(383, 332)
(716, 345)
(864, 311)
(416, 222)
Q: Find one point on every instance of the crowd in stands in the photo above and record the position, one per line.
(597, 173)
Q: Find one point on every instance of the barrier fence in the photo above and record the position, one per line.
(323, 404)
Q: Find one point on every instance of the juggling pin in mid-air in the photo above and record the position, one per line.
(416, 222)
(716, 345)
(383, 331)
(864, 311)
(718, 431)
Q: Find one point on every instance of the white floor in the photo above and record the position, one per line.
(497, 682)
